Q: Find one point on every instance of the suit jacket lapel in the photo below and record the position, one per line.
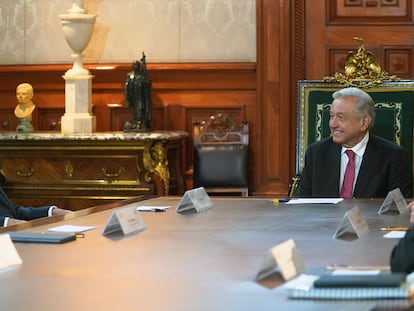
(368, 167)
(332, 169)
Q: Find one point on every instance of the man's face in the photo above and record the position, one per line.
(347, 127)
(23, 95)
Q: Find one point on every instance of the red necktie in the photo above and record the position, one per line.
(346, 191)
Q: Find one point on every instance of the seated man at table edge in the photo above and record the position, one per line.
(14, 214)
(402, 255)
(377, 165)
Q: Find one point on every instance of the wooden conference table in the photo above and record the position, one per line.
(205, 261)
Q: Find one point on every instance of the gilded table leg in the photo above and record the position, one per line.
(156, 162)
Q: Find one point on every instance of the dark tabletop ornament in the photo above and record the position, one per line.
(138, 97)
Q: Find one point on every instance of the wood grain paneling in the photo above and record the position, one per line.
(280, 26)
(399, 60)
(325, 41)
(369, 12)
(182, 93)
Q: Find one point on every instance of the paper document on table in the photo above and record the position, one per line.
(315, 201)
(395, 235)
(71, 228)
(355, 272)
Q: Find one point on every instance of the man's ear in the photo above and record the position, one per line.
(366, 122)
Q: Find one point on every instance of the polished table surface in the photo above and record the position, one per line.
(205, 261)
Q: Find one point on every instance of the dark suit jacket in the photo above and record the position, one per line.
(402, 256)
(7, 209)
(385, 166)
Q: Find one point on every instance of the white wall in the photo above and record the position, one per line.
(167, 30)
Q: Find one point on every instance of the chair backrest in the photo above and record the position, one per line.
(221, 155)
(393, 97)
(394, 101)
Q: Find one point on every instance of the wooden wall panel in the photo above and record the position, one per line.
(8, 121)
(279, 57)
(308, 39)
(182, 93)
(399, 60)
(385, 26)
(369, 12)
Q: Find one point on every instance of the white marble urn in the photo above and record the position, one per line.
(77, 27)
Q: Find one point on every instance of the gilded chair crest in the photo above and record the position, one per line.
(361, 69)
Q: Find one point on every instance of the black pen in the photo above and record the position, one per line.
(158, 210)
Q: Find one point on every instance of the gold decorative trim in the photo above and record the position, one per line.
(319, 117)
(397, 107)
(25, 173)
(114, 174)
(69, 169)
(155, 161)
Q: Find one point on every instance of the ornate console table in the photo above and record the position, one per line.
(78, 171)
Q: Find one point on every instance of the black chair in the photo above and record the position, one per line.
(221, 155)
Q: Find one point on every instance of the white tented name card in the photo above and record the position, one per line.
(8, 253)
(127, 219)
(352, 223)
(196, 199)
(393, 200)
(282, 259)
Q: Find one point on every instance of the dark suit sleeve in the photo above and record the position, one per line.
(320, 175)
(401, 173)
(402, 256)
(304, 188)
(7, 209)
(30, 213)
(385, 166)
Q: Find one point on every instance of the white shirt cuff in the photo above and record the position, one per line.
(50, 212)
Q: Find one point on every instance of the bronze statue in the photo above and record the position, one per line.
(138, 97)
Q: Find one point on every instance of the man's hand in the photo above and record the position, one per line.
(60, 211)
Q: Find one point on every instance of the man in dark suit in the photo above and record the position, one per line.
(402, 256)
(378, 165)
(13, 214)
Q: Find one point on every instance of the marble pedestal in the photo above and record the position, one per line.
(78, 117)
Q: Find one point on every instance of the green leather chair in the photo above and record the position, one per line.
(394, 115)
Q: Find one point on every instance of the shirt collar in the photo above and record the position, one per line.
(359, 148)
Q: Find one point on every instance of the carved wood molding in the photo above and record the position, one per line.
(369, 12)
